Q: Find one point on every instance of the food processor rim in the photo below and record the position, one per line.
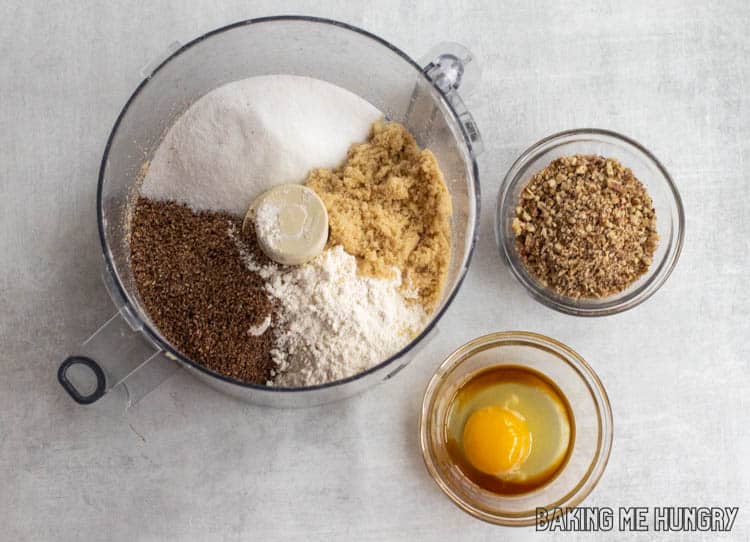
(154, 335)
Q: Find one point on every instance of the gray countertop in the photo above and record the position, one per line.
(190, 464)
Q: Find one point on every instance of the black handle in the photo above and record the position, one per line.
(78, 397)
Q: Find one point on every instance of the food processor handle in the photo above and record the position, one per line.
(451, 66)
(117, 355)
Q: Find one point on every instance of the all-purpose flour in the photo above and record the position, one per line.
(337, 324)
(250, 135)
(334, 323)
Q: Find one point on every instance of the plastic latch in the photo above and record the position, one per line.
(456, 65)
(451, 66)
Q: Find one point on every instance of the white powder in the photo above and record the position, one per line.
(267, 220)
(337, 324)
(333, 323)
(250, 135)
(261, 328)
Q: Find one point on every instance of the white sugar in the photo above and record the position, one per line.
(250, 135)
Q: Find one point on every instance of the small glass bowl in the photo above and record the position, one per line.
(670, 217)
(592, 419)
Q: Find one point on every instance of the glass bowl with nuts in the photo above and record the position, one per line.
(589, 222)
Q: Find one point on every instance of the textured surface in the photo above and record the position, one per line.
(188, 463)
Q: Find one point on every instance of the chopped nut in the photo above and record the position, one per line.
(609, 169)
(517, 226)
(596, 227)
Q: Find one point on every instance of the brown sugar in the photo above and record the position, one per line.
(388, 206)
(585, 226)
(197, 291)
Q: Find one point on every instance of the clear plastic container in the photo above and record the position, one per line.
(129, 350)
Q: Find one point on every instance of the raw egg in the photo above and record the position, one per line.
(509, 429)
(496, 440)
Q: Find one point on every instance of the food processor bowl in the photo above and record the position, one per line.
(129, 350)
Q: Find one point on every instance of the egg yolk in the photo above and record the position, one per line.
(496, 440)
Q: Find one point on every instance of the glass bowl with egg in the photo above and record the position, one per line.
(639, 163)
(512, 422)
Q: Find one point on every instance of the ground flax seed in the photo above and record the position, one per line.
(197, 291)
(585, 226)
